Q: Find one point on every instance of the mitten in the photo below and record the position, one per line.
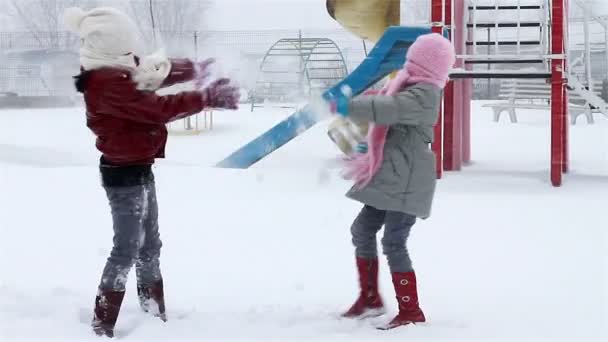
(361, 148)
(339, 105)
(221, 94)
(202, 72)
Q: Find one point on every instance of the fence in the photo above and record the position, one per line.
(52, 58)
(42, 63)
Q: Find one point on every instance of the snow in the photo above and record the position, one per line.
(265, 253)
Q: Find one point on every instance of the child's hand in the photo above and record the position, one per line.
(361, 148)
(221, 94)
(339, 105)
(202, 72)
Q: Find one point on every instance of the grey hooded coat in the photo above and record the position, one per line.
(406, 179)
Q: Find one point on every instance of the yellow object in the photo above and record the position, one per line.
(368, 19)
(346, 134)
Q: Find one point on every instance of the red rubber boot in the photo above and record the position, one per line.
(369, 303)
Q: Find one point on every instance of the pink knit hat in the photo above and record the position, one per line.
(429, 60)
(431, 56)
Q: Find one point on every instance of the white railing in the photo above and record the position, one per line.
(496, 32)
(588, 20)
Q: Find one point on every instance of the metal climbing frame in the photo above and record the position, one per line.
(584, 62)
(522, 39)
(296, 68)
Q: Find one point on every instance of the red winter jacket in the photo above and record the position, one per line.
(130, 123)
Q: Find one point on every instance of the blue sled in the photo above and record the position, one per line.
(387, 56)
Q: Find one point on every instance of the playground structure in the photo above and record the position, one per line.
(192, 125)
(582, 66)
(387, 56)
(297, 68)
(544, 57)
(547, 53)
(523, 49)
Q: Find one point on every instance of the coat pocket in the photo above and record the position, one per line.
(394, 175)
(423, 175)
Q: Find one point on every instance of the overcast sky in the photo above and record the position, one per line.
(278, 14)
(281, 14)
(269, 14)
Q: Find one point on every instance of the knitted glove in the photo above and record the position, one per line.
(361, 148)
(202, 72)
(339, 105)
(221, 94)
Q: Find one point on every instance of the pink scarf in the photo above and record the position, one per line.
(362, 167)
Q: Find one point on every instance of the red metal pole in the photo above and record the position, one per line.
(456, 13)
(565, 123)
(458, 104)
(557, 92)
(461, 11)
(449, 134)
(466, 120)
(565, 140)
(437, 27)
(453, 111)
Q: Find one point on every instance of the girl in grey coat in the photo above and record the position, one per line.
(395, 178)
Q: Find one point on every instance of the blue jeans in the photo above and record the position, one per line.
(397, 226)
(136, 237)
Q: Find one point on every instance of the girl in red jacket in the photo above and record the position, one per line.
(129, 118)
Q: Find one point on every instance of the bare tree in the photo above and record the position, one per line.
(160, 20)
(42, 19)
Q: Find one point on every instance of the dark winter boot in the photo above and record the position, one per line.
(407, 297)
(152, 299)
(369, 303)
(107, 307)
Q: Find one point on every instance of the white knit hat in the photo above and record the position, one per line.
(109, 37)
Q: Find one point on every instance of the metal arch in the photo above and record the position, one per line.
(344, 67)
(305, 49)
(315, 40)
(270, 49)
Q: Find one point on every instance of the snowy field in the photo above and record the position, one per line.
(265, 253)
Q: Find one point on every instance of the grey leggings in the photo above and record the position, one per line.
(397, 226)
(136, 237)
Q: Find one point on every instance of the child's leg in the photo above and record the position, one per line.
(148, 264)
(128, 210)
(150, 289)
(397, 228)
(394, 243)
(364, 230)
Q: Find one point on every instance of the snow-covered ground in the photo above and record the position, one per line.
(265, 253)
